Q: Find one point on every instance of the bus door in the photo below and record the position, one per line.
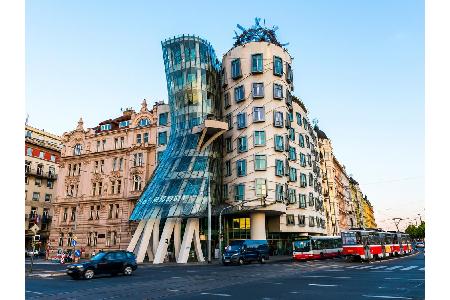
(365, 242)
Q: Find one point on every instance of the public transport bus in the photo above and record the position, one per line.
(316, 247)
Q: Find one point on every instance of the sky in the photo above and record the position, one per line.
(358, 67)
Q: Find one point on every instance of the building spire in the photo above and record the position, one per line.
(144, 106)
(80, 124)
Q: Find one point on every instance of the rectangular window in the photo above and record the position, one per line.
(226, 100)
(301, 220)
(279, 143)
(123, 124)
(290, 220)
(292, 134)
(311, 179)
(279, 195)
(305, 124)
(288, 98)
(277, 66)
(228, 168)
(103, 144)
(105, 127)
(260, 162)
(299, 118)
(36, 196)
(236, 68)
(259, 138)
(257, 63)
(50, 183)
(162, 138)
(260, 187)
(258, 89)
(259, 114)
(307, 142)
(163, 119)
(289, 74)
(277, 91)
(302, 200)
(159, 156)
(239, 192)
(292, 153)
(292, 174)
(229, 120)
(311, 221)
(278, 119)
(48, 197)
(138, 138)
(241, 167)
(239, 93)
(279, 167)
(228, 145)
(311, 199)
(38, 181)
(292, 196)
(301, 140)
(242, 144)
(146, 137)
(302, 160)
(302, 180)
(225, 191)
(241, 120)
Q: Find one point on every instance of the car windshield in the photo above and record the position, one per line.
(302, 246)
(233, 247)
(98, 256)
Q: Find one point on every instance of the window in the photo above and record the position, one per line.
(52, 158)
(100, 184)
(119, 182)
(138, 138)
(258, 114)
(260, 187)
(277, 91)
(290, 220)
(138, 159)
(105, 127)
(110, 211)
(65, 214)
(236, 68)
(260, 162)
(289, 74)
(292, 196)
(302, 200)
(77, 149)
(94, 189)
(137, 182)
(292, 153)
(226, 100)
(279, 167)
(302, 160)
(228, 145)
(159, 156)
(36, 196)
(91, 215)
(242, 144)
(305, 124)
(302, 180)
(279, 195)
(258, 89)
(26, 179)
(301, 140)
(162, 138)
(121, 164)
(144, 122)
(124, 124)
(239, 93)
(163, 119)
(259, 138)
(299, 118)
(229, 120)
(307, 142)
(279, 143)
(301, 220)
(311, 179)
(98, 146)
(241, 120)
(278, 119)
(146, 137)
(97, 212)
(288, 98)
(257, 63)
(292, 174)
(103, 144)
(116, 212)
(122, 142)
(225, 191)
(228, 168)
(311, 199)
(61, 239)
(277, 66)
(73, 214)
(48, 197)
(311, 221)
(113, 187)
(102, 165)
(28, 133)
(292, 134)
(114, 165)
(200, 164)
(241, 167)
(239, 192)
(38, 181)
(27, 166)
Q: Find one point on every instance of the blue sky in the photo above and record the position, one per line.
(358, 66)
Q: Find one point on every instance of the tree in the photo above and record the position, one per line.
(416, 232)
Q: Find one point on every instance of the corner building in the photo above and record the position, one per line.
(271, 162)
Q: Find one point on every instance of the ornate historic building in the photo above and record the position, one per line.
(368, 216)
(103, 171)
(42, 155)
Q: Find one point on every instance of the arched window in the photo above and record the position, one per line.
(77, 149)
(144, 122)
(137, 182)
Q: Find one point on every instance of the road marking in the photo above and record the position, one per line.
(172, 290)
(316, 284)
(380, 267)
(315, 276)
(408, 268)
(334, 270)
(342, 277)
(422, 269)
(394, 267)
(420, 279)
(175, 277)
(352, 267)
(34, 292)
(392, 278)
(365, 267)
(220, 295)
(386, 297)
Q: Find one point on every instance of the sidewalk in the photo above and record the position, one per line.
(272, 259)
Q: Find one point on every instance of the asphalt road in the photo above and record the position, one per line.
(400, 278)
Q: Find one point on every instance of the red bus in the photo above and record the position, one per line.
(316, 247)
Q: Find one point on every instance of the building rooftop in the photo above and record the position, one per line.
(320, 133)
(257, 33)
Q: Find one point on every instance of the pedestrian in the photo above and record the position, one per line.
(93, 253)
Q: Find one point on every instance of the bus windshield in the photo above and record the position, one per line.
(349, 238)
(302, 246)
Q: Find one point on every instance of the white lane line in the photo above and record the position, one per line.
(408, 268)
(422, 269)
(316, 284)
(170, 290)
(380, 267)
(220, 295)
(34, 292)
(418, 279)
(334, 270)
(365, 267)
(315, 276)
(352, 267)
(175, 277)
(386, 297)
(394, 267)
(342, 277)
(392, 278)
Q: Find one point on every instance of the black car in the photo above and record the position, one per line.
(246, 251)
(111, 262)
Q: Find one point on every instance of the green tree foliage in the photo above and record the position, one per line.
(416, 232)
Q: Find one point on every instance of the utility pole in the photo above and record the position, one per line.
(397, 221)
(209, 224)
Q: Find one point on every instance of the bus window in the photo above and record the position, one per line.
(302, 246)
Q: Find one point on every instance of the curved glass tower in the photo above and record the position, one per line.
(187, 175)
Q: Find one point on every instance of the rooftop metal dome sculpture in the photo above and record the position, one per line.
(257, 33)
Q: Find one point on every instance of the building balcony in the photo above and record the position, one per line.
(40, 174)
(209, 130)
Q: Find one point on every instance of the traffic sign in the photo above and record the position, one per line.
(77, 253)
(34, 228)
(74, 243)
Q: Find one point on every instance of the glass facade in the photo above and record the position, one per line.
(185, 178)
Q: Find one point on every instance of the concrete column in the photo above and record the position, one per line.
(258, 226)
(177, 237)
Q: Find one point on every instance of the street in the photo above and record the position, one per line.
(398, 278)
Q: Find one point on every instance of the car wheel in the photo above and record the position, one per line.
(241, 261)
(262, 260)
(88, 274)
(127, 271)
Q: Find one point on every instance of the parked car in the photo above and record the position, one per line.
(246, 251)
(420, 245)
(111, 262)
(28, 253)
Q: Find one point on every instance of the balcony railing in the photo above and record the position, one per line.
(38, 173)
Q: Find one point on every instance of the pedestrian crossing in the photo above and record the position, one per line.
(364, 266)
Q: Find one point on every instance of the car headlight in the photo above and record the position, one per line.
(79, 267)
(235, 254)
